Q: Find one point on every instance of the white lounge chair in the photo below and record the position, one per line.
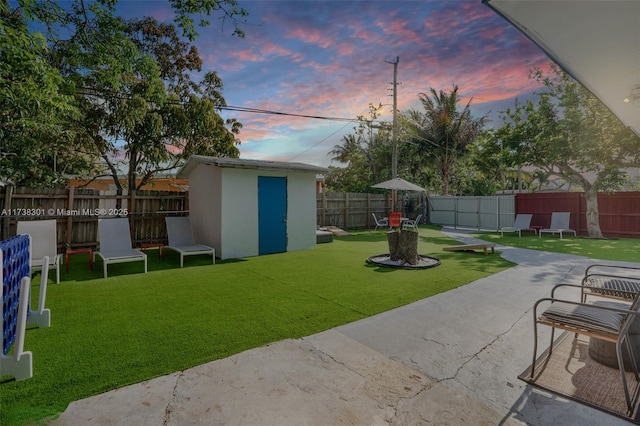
(559, 224)
(115, 243)
(382, 223)
(522, 223)
(44, 242)
(181, 239)
(412, 223)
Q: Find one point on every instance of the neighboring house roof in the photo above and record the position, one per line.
(239, 163)
(160, 183)
(596, 42)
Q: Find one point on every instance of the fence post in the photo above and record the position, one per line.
(131, 208)
(456, 214)
(346, 211)
(324, 209)
(368, 215)
(72, 190)
(498, 211)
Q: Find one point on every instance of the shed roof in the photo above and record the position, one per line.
(238, 163)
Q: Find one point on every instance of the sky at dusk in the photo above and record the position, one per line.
(331, 58)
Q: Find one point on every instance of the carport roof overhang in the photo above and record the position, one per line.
(597, 42)
(238, 163)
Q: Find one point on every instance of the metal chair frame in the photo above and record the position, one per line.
(620, 338)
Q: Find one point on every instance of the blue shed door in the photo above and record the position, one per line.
(272, 214)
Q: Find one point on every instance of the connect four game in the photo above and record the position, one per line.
(15, 274)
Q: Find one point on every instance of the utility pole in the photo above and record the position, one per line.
(394, 129)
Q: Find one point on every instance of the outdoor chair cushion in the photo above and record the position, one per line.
(623, 288)
(585, 316)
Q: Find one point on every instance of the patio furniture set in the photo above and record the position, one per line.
(611, 321)
(613, 327)
(559, 225)
(396, 220)
(115, 243)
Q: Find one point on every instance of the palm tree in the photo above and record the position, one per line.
(440, 132)
(349, 151)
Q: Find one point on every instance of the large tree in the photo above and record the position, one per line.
(441, 131)
(569, 133)
(130, 83)
(35, 147)
(151, 116)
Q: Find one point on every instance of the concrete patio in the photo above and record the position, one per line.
(451, 359)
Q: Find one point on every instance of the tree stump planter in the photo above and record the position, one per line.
(403, 252)
(403, 246)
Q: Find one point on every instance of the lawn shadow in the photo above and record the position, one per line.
(79, 269)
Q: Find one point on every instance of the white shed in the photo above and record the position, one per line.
(251, 207)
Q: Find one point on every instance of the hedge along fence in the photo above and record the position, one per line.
(77, 211)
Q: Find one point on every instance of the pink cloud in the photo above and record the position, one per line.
(311, 36)
(328, 61)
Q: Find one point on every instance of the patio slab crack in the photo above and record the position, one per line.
(476, 354)
(171, 405)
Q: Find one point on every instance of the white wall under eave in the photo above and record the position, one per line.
(301, 211)
(239, 203)
(204, 205)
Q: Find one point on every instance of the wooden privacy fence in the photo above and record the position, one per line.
(77, 212)
(349, 210)
(619, 212)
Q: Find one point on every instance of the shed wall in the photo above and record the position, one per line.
(239, 231)
(204, 205)
(301, 211)
(224, 209)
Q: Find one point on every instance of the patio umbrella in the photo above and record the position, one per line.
(398, 184)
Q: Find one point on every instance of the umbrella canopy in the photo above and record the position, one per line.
(399, 185)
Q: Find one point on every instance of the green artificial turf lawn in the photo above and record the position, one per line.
(131, 327)
(621, 249)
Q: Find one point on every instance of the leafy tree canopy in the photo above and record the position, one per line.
(33, 109)
(117, 89)
(571, 134)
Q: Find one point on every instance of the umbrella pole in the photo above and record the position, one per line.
(394, 199)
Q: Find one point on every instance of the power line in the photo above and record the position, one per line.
(316, 144)
(88, 92)
(327, 137)
(289, 114)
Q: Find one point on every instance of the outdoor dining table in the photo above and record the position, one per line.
(402, 220)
